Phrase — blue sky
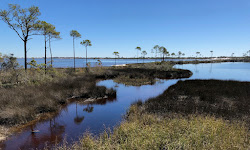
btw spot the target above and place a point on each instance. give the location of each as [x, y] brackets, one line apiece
[121, 25]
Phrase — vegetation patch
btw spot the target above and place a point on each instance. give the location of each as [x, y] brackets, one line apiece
[141, 74]
[136, 81]
[23, 103]
[27, 94]
[148, 131]
[227, 99]
[160, 66]
[193, 114]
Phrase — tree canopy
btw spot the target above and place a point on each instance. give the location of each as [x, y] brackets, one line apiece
[116, 53]
[144, 53]
[22, 21]
[75, 34]
[86, 43]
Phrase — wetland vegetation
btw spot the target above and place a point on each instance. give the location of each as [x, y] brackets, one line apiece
[162, 108]
[192, 114]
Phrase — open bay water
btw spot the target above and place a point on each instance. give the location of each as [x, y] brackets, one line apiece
[69, 63]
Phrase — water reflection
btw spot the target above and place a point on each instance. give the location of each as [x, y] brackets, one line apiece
[55, 134]
[94, 116]
[78, 119]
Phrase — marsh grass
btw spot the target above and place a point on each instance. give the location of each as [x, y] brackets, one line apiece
[160, 66]
[140, 74]
[148, 131]
[23, 103]
[25, 95]
[136, 81]
[227, 99]
[193, 114]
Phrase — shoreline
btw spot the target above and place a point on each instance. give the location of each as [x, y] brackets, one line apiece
[10, 129]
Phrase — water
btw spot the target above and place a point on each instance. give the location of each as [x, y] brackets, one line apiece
[69, 63]
[238, 71]
[76, 118]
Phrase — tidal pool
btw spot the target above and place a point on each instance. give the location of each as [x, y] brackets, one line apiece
[77, 118]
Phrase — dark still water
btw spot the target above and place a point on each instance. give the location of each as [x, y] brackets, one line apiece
[76, 118]
[69, 63]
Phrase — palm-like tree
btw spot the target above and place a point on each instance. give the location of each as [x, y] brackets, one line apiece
[156, 48]
[49, 32]
[164, 52]
[86, 43]
[116, 54]
[53, 35]
[211, 53]
[138, 49]
[183, 54]
[179, 54]
[144, 53]
[75, 34]
[197, 53]
[152, 51]
[232, 55]
[173, 54]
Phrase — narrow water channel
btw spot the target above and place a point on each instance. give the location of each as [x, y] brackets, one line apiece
[76, 118]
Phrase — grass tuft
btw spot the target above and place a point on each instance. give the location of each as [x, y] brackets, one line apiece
[148, 131]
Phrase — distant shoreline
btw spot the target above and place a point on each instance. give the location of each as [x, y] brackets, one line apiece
[130, 58]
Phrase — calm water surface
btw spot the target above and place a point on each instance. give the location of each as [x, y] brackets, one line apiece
[76, 118]
[69, 63]
[222, 71]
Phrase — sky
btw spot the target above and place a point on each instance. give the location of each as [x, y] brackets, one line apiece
[222, 26]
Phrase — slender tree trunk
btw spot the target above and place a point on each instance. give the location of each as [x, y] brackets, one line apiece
[115, 60]
[25, 54]
[155, 55]
[45, 57]
[163, 57]
[51, 58]
[86, 57]
[74, 54]
[137, 56]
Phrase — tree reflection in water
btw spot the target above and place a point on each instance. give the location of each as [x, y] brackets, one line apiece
[78, 119]
[52, 131]
[37, 139]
